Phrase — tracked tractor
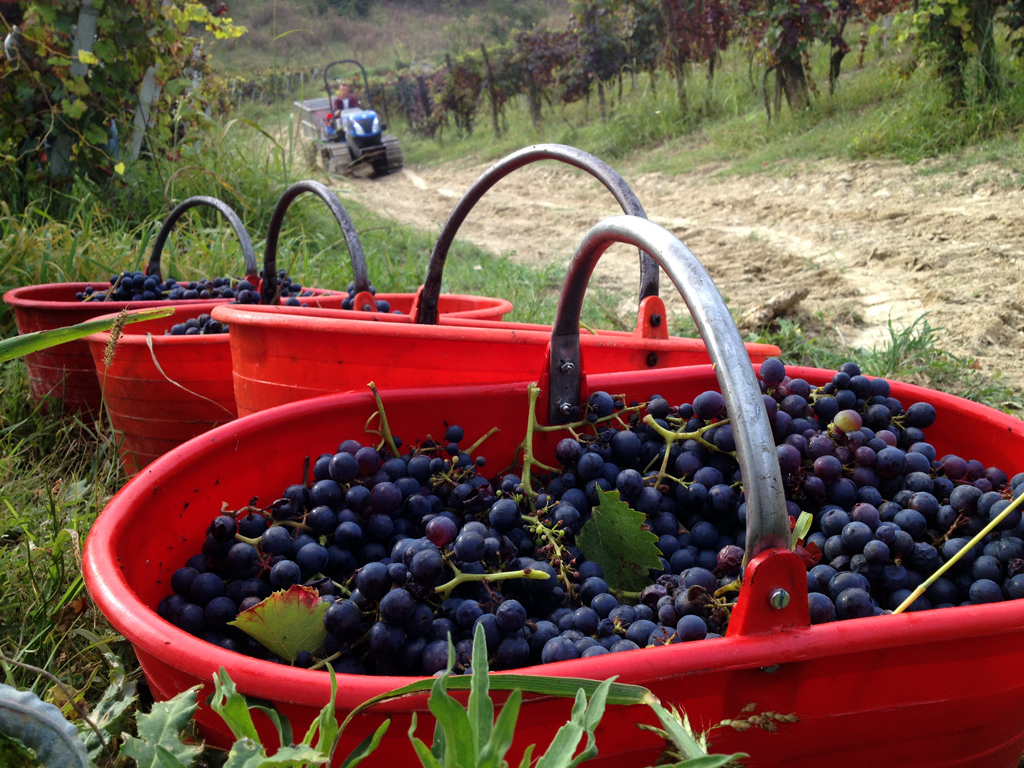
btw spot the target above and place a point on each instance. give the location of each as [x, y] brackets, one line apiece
[341, 140]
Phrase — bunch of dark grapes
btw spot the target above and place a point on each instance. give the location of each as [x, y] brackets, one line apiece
[382, 305]
[382, 537]
[203, 325]
[136, 286]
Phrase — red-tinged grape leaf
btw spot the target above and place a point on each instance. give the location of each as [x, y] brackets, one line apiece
[615, 539]
[810, 554]
[287, 622]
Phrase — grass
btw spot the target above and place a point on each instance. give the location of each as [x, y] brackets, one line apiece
[910, 354]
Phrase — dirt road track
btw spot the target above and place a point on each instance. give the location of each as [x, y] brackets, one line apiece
[871, 241]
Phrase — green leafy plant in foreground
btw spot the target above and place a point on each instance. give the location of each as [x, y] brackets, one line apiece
[468, 737]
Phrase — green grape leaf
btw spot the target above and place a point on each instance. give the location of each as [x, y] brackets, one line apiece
[287, 622]
[74, 110]
[614, 538]
[162, 728]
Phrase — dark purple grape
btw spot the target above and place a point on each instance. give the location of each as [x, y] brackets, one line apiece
[558, 649]
[372, 580]
[284, 574]
[223, 528]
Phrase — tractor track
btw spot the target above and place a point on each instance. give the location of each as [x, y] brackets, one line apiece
[872, 242]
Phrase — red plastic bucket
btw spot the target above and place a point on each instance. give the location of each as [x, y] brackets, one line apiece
[481, 307]
[162, 397]
[66, 373]
[933, 688]
[339, 351]
[280, 356]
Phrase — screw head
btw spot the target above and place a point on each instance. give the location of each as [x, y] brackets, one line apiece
[779, 598]
[564, 408]
[567, 366]
[655, 320]
[652, 359]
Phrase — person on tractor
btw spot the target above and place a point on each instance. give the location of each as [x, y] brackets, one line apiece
[346, 98]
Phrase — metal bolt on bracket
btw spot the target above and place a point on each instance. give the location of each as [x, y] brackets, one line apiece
[567, 366]
[565, 408]
[779, 598]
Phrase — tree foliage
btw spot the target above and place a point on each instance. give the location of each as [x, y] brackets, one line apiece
[48, 91]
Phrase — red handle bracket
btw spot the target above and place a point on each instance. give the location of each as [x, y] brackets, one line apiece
[364, 302]
[762, 606]
[651, 322]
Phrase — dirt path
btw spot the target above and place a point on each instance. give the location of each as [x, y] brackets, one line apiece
[871, 241]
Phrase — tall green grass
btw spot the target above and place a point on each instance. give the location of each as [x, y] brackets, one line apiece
[92, 232]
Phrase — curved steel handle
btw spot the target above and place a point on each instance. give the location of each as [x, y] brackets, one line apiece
[585, 161]
[767, 518]
[355, 248]
[153, 268]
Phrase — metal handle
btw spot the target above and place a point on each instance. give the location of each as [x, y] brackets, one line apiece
[767, 518]
[355, 248]
[153, 268]
[597, 168]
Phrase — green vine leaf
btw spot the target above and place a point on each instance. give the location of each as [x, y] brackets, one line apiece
[615, 538]
[287, 622]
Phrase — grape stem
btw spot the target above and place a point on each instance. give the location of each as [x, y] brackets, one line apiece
[295, 524]
[554, 539]
[478, 443]
[385, 430]
[673, 437]
[461, 578]
[953, 560]
[531, 424]
[324, 662]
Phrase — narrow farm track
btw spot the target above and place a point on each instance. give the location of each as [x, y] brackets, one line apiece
[871, 241]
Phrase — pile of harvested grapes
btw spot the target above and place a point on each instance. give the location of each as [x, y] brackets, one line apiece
[409, 549]
[136, 286]
[203, 325]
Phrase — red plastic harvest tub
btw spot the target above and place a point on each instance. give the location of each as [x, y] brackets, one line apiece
[933, 688]
[336, 352]
[469, 307]
[280, 355]
[160, 398]
[66, 372]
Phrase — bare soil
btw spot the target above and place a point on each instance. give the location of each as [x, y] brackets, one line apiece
[872, 242]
